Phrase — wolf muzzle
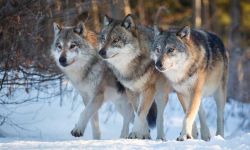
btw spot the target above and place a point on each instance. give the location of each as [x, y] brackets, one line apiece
[63, 61]
[159, 65]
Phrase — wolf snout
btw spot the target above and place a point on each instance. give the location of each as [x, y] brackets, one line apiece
[102, 53]
[63, 61]
[159, 65]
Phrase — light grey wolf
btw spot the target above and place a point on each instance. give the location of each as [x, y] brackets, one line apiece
[125, 45]
[75, 51]
[196, 63]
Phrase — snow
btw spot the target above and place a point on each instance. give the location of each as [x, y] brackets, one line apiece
[46, 125]
[216, 143]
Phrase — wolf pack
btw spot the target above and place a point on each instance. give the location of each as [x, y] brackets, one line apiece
[136, 67]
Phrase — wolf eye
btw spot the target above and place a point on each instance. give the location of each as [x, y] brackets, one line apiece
[72, 46]
[59, 46]
[170, 50]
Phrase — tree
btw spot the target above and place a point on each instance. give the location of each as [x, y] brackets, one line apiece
[234, 48]
[196, 13]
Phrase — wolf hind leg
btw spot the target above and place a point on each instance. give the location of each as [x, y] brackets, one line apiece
[220, 99]
[205, 133]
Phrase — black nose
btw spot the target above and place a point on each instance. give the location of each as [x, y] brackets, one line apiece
[158, 64]
[102, 53]
[63, 61]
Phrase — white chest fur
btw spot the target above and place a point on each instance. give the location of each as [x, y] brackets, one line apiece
[186, 86]
[86, 85]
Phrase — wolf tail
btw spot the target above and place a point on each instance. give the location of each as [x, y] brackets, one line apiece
[152, 115]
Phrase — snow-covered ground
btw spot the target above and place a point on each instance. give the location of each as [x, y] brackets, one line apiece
[46, 125]
[216, 143]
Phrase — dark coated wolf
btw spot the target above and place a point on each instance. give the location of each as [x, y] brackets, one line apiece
[75, 52]
[196, 64]
[125, 46]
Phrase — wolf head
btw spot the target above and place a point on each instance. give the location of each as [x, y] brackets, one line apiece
[70, 46]
[117, 38]
[169, 50]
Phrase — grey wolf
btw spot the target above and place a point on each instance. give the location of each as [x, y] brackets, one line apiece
[75, 51]
[125, 46]
[196, 64]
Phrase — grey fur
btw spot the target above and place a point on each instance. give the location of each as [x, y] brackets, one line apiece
[77, 58]
[125, 48]
[187, 56]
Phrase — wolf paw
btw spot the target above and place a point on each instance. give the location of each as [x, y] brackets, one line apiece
[135, 135]
[206, 137]
[124, 137]
[76, 132]
[184, 137]
[161, 138]
[205, 134]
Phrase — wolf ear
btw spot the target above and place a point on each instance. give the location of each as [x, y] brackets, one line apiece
[57, 28]
[107, 20]
[79, 28]
[184, 32]
[156, 30]
[128, 22]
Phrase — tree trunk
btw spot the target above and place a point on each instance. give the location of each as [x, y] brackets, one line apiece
[205, 14]
[127, 9]
[235, 35]
[212, 14]
[141, 12]
[95, 13]
[235, 70]
[196, 13]
[117, 8]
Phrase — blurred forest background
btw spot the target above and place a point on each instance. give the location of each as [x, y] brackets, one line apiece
[26, 33]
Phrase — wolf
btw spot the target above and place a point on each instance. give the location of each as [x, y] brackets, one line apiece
[124, 46]
[196, 64]
[75, 52]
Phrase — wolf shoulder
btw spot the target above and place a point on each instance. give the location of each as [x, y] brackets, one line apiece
[209, 41]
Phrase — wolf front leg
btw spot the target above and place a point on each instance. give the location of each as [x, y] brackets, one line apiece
[161, 98]
[90, 109]
[141, 128]
[205, 133]
[161, 103]
[95, 126]
[185, 103]
[193, 108]
[128, 116]
[126, 110]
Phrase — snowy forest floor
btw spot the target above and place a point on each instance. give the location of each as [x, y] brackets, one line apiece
[46, 125]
